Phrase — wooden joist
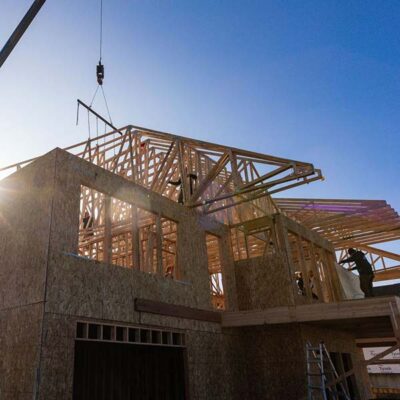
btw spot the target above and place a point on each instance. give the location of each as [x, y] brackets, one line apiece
[345, 221]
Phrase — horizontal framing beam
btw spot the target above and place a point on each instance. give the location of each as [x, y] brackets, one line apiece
[322, 312]
[172, 310]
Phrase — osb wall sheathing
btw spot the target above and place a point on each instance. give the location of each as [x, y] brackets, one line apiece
[78, 288]
[39, 238]
[207, 354]
[270, 361]
[263, 282]
[71, 172]
[248, 363]
[20, 336]
[25, 213]
[341, 342]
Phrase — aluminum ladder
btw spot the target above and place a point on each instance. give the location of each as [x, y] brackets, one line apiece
[323, 381]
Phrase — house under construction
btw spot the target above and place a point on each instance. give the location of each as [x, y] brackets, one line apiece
[145, 265]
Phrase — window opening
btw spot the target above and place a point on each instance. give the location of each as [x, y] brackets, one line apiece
[215, 271]
[119, 233]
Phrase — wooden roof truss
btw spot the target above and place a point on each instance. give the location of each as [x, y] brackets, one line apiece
[226, 177]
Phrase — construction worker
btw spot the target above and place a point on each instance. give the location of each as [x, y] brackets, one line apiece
[311, 280]
[87, 222]
[169, 272]
[300, 283]
[192, 178]
[364, 269]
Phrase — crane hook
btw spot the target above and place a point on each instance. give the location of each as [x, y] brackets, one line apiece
[100, 73]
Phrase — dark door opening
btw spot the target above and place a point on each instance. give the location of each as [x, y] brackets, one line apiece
[113, 371]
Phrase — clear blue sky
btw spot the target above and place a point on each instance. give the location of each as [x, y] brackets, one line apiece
[317, 81]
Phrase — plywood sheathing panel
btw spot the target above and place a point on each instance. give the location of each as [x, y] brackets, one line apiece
[25, 212]
[263, 282]
[272, 363]
[20, 336]
[210, 375]
[340, 341]
[82, 289]
[204, 342]
[57, 362]
[191, 247]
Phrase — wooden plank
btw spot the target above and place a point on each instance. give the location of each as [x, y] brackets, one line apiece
[172, 310]
[314, 268]
[135, 238]
[385, 362]
[377, 358]
[387, 274]
[340, 378]
[107, 230]
[303, 267]
[212, 174]
[376, 342]
[159, 244]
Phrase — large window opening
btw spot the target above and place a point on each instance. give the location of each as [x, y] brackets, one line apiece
[310, 269]
[119, 233]
[253, 241]
[91, 224]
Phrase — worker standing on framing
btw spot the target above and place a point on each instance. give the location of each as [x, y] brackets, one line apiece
[179, 183]
[364, 269]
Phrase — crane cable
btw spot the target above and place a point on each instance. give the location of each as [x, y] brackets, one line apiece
[101, 28]
[100, 68]
[100, 78]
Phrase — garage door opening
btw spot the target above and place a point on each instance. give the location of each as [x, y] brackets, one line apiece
[119, 371]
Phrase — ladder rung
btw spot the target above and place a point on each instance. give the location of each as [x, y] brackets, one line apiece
[315, 387]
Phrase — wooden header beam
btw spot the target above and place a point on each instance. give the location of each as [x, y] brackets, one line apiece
[171, 310]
